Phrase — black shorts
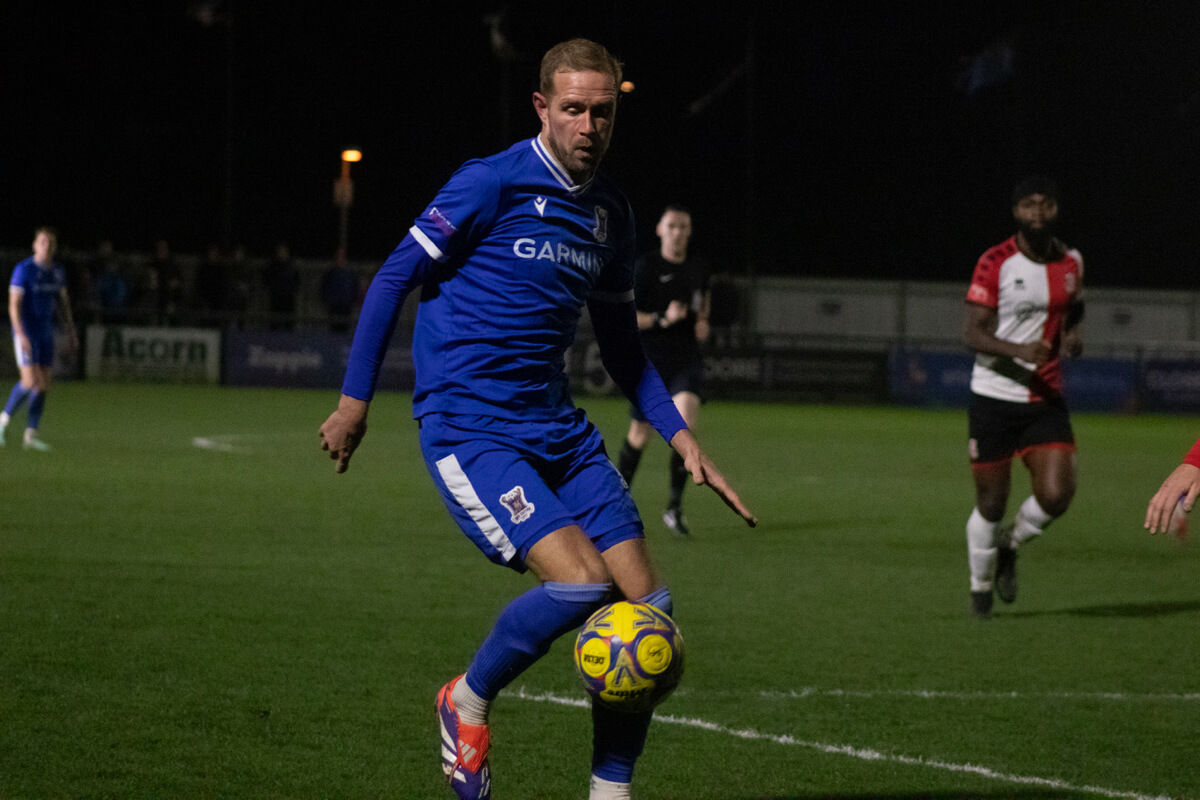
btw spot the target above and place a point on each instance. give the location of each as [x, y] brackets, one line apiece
[1000, 429]
[678, 378]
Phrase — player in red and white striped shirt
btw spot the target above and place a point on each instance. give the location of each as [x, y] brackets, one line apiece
[1022, 313]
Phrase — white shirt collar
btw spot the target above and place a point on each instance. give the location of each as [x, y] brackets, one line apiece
[557, 170]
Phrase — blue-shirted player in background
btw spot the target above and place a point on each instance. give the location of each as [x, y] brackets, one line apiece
[37, 290]
[506, 257]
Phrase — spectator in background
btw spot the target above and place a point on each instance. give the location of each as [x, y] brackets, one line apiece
[167, 280]
[241, 279]
[81, 285]
[339, 292]
[112, 287]
[282, 281]
[212, 287]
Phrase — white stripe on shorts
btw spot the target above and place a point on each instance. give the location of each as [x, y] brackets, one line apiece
[464, 493]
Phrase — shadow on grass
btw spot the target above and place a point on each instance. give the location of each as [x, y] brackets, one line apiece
[1160, 609]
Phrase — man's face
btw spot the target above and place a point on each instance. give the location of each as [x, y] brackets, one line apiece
[675, 229]
[577, 120]
[44, 245]
[1036, 213]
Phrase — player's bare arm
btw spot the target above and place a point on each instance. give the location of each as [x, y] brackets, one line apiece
[705, 473]
[68, 320]
[1183, 482]
[702, 326]
[344, 430]
[979, 328]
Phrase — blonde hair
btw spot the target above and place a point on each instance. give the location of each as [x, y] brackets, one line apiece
[577, 55]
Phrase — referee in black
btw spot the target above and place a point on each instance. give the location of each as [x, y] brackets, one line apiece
[672, 296]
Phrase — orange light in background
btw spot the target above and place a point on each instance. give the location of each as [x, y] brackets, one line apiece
[351, 155]
[627, 86]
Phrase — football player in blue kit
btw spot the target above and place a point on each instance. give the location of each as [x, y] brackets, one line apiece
[506, 256]
[37, 291]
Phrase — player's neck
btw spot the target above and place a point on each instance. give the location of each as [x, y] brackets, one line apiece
[1040, 249]
[673, 256]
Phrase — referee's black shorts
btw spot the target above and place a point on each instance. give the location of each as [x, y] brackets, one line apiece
[679, 377]
[1000, 429]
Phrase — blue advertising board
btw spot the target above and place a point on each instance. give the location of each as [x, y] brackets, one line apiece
[943, 378]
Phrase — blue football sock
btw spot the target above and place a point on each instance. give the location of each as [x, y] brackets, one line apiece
[16, 398]
[37, 401]
[618, 738]
[526, 629]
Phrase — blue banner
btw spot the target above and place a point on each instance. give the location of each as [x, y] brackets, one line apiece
[1171, 385]
[943, 378]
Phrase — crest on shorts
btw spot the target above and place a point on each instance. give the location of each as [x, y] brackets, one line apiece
[520, 508]
[601, 229]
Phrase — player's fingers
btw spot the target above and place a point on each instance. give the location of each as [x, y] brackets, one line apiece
[1189, 499]
[1153, 513]
[731, 499]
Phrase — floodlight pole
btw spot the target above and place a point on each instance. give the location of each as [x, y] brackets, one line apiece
[343, 194]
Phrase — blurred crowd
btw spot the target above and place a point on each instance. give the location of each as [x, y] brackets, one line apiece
[218, 288]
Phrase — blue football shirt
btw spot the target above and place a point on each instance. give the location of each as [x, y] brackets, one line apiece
[40, 290]
[507, 255]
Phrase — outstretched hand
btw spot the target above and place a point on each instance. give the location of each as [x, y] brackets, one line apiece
[1181, 485]
[344, 430]
[705, 473]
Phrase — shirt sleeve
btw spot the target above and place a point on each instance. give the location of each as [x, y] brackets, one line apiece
[463, 211]
[615, 325]
[985, 282]
[1193, 456]
[464, 208]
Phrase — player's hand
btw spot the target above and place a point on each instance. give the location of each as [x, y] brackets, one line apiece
[1182, 484]
[344, 430]
[1072, 342]
[705, 473]
[702, 330]
[675, 312]
[1037, 353]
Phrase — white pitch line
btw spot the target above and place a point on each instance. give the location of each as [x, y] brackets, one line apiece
[934, 694]
[864, 754]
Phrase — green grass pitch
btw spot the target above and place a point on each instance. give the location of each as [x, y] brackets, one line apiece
[192, 604]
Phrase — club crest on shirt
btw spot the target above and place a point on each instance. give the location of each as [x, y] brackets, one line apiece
[520, 508]
[540, 204]
[601, 229]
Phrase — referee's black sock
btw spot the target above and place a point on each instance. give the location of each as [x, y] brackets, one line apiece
[679, 476]
[627, 462]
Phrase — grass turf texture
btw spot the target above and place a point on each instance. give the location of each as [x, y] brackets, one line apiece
[237, 621]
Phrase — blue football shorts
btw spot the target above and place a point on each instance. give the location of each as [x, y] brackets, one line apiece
[508, 484]
[41, 345]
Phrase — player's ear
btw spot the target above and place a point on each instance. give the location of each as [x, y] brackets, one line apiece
[541, 104]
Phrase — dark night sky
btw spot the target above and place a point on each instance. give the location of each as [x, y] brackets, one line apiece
[865, 158]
